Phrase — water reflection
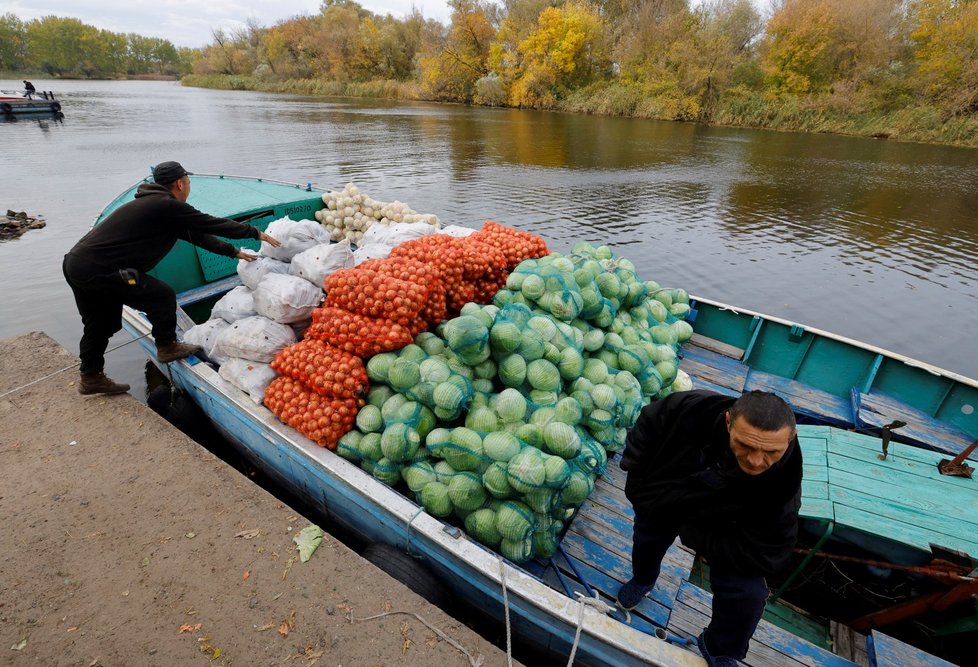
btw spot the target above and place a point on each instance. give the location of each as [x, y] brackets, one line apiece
[44, 120]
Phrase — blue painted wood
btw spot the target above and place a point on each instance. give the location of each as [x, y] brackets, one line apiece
[902, 458]
[803, 399]
[885, 651]
[877, 409]
[715, 369]
[207, 291]
[816, 508]
[782, 647]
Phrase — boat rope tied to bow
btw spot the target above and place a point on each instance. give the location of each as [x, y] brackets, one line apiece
[585, 601]
[474, 661]
[66, 368]
[509, 636]
[409, 523]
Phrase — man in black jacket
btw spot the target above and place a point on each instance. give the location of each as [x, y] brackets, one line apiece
[107, 268]
[725, 476]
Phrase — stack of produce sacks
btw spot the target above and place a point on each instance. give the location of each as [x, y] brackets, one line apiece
[548, 379]
[381, 304]
[252, 323]
[349, 214]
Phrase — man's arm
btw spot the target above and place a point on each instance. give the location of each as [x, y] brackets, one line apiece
[646, 435]
[755, 546]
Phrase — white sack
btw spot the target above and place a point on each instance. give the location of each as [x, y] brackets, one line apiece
[236, 304]
[286, 299]
[256, 338]
[252, 272]
[251, 377]
[295, 236]
[372, 251]
[395, 233]
[456, 231]
[206, 336]
[322, 260]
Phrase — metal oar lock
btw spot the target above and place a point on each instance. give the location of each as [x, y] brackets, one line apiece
[956, 466]
[887, 433]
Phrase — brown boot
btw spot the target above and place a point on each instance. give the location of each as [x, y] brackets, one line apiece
[99, 383]
[174, 351]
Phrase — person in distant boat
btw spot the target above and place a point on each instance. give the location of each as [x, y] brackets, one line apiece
[107, 268]
[724, 475]
[29, 89]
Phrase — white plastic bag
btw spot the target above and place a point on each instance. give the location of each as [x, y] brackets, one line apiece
[322, 260]
[295, 236]
[206, 336]
[286, 299]
[252, 272]
[372, 251]
[251, 377]
[236, 304]
[256, 338]
[395, 233]
[456, 231]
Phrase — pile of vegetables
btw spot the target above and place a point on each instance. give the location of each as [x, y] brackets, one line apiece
[504, 416]
[349, 213]
[381, 304]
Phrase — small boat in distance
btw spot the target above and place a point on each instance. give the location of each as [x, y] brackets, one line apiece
[18, 101]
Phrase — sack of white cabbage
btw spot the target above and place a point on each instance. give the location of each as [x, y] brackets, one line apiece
[504, 416]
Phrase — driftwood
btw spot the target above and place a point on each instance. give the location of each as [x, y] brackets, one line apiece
[17, 223]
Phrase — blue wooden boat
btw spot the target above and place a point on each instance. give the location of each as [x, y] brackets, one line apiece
[897, 516]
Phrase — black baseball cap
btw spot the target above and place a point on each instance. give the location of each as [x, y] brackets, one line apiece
[167, 172]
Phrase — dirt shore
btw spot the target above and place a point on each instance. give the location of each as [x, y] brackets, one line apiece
[126, 543]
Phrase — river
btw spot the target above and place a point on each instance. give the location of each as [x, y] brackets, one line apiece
[868, 239]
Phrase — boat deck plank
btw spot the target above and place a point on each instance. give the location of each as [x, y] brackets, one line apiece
[770, 647]
[714, 370]
[885, 651]
[876, 409]
[803, 399]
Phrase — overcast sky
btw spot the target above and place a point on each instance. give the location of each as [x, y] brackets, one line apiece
[189, 22]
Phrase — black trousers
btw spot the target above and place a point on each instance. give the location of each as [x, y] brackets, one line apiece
[738, 600]
[100, 297]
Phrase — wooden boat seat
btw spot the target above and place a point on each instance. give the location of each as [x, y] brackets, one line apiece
[876, 409]
[770, 647]
[885, 651]
[711, 369]
[804, 399]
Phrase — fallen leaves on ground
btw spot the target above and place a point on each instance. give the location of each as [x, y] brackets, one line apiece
[249, 534]
[246, 575]
[187, 627]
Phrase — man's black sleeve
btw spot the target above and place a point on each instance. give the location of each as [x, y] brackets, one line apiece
[200, 229]
[646, 436]
[756, 546]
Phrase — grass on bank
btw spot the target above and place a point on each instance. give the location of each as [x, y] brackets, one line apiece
[737, 108]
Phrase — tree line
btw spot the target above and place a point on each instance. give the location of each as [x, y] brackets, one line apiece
[662, 58]
[66, 47]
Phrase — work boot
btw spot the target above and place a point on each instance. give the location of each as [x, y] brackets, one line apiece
[631, 594]
[713, 660]
[99, 383]
[174, 351]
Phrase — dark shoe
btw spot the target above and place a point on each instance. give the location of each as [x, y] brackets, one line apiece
[631, 594]
[174, 351]
[713, 660]
[98, 383]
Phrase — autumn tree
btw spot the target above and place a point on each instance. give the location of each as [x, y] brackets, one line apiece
[13, 43]
[945, 37]
[451, 66]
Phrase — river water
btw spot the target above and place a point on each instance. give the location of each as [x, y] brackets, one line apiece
[869, 239]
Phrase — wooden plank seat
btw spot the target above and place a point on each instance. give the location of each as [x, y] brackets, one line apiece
[804, 399]
[874, 410]
[770, 646]
[712, 370]
[885, 651]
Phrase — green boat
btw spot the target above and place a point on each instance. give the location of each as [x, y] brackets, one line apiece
[878, 430]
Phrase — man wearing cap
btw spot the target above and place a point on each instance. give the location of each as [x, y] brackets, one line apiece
[108, 267]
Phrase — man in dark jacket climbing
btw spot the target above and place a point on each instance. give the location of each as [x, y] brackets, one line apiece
[725, 476]
[107, 268]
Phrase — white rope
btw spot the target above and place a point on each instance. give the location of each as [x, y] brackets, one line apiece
[585, 601]
[509, 635]
[66, 368]
[416, 515]
[475, 661]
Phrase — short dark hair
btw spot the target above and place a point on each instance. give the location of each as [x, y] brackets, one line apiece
[763, 410]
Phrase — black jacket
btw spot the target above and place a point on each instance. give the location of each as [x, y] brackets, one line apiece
[140, 233]
[682, 472]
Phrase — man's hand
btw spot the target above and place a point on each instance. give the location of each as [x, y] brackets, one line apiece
[270, 240]
[246, 255]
